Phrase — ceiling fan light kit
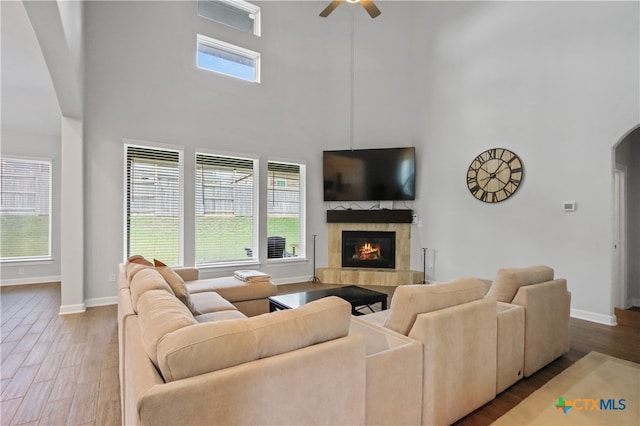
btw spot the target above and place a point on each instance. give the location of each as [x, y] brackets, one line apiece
[368, 5]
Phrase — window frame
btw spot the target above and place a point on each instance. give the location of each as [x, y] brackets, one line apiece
[244, 6]
[255, 257]
[180, 199]
[302, 197]
[33, 259]
[231, 49]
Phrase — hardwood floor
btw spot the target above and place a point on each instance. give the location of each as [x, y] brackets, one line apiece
[59, 370]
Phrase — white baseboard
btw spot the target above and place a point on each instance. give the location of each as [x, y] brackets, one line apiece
[594, 317]
[32, 280]
[101, 301]
[72, 309]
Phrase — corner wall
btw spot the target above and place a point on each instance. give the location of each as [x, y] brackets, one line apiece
[557, 83]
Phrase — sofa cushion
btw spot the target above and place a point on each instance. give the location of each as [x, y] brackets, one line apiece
[212, 346]
[145, 280]
[220, 315]
[205, 303]
[159, 313]
[177, 285]
[233, 289]
[411, 300]
[136, 264]
[509, 280]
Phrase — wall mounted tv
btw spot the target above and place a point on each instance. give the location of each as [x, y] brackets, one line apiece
[384, 174]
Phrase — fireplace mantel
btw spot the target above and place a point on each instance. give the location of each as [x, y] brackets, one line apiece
[370, 216]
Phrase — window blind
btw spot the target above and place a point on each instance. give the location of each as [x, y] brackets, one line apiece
[225, 209]
[154, 204]
[284, 207]
[25, 209]
[240, 15]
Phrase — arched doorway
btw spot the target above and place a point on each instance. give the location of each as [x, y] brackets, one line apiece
[626, 247]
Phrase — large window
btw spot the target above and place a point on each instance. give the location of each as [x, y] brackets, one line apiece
[154, 204]
[25, 209]
[285, 210]
[226, 225]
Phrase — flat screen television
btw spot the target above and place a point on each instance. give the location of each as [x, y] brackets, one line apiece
[383, 174]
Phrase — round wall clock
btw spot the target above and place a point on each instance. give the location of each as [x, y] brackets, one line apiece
[495, 175]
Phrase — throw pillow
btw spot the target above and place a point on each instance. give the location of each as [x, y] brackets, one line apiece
[136, 258]
[177, 284]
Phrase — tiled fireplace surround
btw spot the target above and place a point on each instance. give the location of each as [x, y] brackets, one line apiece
[336, 274]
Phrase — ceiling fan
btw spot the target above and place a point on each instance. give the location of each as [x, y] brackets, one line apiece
[369, 6]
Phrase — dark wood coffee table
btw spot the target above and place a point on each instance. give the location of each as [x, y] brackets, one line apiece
[358, 297]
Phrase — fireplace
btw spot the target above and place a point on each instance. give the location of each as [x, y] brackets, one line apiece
[369, 249]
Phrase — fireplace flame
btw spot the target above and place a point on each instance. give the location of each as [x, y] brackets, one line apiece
[367, 251]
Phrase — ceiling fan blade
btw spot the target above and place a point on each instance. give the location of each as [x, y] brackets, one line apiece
[327, 10]
[371, 8]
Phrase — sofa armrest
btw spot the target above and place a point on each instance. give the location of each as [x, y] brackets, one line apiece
[187, 274]
[459, 361]
[394, 375]
[138, 373]
[546, 330]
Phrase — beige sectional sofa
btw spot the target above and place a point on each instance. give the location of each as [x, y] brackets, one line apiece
[197, 359]
[190, 356]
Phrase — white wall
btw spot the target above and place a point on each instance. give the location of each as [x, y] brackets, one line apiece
[142, 83]
[558, 84]
[30, 126]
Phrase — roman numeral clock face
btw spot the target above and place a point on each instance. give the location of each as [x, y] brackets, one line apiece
[494, 175]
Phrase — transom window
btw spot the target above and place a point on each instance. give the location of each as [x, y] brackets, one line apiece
[224, 58]
[238, 14]
[25, 209]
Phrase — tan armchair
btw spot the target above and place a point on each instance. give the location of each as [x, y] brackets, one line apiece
[546, 304]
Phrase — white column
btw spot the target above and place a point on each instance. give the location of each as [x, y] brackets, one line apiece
[72, 217]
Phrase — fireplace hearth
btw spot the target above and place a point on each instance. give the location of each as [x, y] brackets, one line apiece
[369, 249]
[368, 274]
